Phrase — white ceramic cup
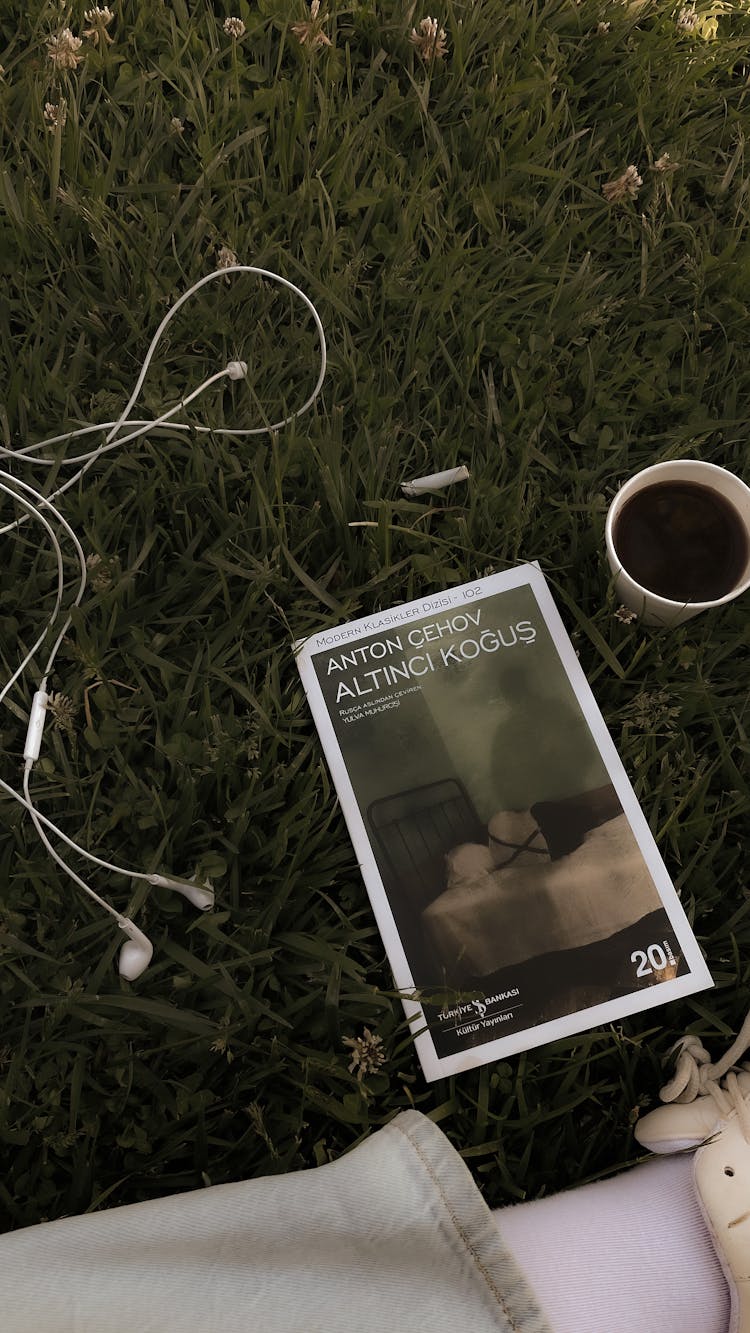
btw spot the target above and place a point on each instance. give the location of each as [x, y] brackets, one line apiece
[651, 608]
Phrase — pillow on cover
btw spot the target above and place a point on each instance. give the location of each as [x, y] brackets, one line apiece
[467, 864]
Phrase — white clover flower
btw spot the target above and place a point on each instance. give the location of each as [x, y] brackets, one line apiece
[63, 711]
[311, 30]
[367, 1053]
[100, 571]
[430, 40]
[63, 50]
[234, 28]
[625, 186]
[176, 126]
[226, 258]
[705, 25]
[664, 164]
[55, 113]
[99, 16]
[687, 19]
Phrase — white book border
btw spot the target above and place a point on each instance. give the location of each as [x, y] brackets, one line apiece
[468, 594]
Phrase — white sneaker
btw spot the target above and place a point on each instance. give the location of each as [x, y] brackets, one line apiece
[709, 1109]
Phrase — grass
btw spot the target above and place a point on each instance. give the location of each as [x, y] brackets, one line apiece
[483, 303]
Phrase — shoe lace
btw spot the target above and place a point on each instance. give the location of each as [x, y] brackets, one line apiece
[696, 1076]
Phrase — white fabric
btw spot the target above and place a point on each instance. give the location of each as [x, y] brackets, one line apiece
[501, 918]
[393, 1236]
[627, 1255]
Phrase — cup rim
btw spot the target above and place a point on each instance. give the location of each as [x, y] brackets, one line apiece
[666, 603]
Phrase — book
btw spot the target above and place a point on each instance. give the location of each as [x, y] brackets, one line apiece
[518, 889]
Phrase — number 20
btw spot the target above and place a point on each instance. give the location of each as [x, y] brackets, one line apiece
[654, 955]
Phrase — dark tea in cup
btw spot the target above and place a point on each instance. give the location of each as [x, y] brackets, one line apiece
[682, 540]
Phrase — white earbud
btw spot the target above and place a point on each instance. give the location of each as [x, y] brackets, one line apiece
[200, 895]
[136, 953]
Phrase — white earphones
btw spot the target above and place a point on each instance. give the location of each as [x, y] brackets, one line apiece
[137, 951]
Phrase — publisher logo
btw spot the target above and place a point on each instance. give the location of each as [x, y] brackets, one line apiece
[478, 1015]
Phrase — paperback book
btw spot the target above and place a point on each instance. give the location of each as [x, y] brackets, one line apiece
[518, 889]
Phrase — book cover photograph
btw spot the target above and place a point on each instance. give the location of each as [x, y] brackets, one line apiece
[518, 889]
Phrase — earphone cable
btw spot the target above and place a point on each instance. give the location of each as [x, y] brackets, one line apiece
[89, 459]
[211, 277]
[28, 803]
[46, 502]
[56, 855]
[32, 512]
[201, 896]
[232, 431]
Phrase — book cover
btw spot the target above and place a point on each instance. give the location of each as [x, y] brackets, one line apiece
[518, 889]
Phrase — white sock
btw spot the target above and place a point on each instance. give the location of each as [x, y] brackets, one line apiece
[626, 1255]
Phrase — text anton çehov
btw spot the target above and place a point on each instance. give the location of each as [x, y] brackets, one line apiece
[429, 659]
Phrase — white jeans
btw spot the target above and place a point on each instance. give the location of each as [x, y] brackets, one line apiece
[392, 1238]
